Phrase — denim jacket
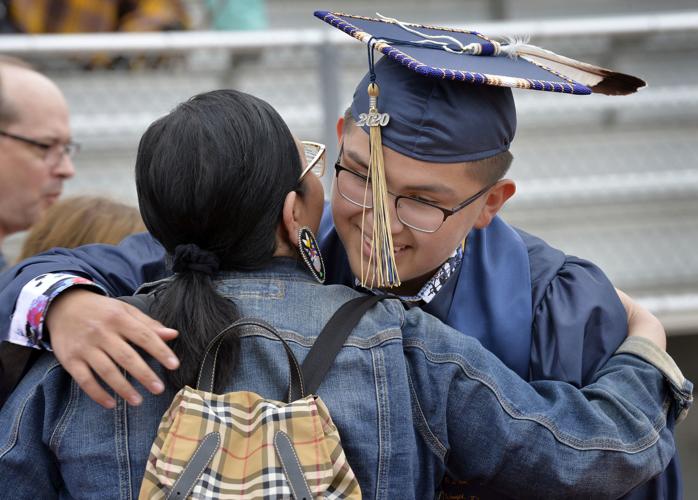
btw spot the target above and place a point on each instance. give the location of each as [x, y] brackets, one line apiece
[410, 396]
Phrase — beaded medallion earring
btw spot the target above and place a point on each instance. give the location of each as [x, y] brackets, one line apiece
[310, 250]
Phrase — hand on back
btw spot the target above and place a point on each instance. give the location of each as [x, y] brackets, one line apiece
[95, 335]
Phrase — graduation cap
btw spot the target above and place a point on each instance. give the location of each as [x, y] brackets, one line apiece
[443, 95]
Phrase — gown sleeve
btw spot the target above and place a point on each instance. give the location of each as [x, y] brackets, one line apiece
[578, 319]
[119, 270]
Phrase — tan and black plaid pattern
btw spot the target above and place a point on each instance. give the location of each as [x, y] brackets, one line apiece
[246, 465]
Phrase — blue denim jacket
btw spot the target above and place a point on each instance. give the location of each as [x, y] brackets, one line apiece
[410, 396]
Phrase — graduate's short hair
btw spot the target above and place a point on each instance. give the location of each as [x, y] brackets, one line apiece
[485, 172]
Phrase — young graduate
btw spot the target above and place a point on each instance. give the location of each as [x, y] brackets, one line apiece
[445, 151]
[446, 120]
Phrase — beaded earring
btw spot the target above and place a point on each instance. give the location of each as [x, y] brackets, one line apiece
[310, 250]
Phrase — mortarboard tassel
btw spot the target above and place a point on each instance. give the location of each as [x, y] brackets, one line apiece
[381, 263]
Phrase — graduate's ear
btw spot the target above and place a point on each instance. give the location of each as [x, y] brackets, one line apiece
[340, 129]
[494, 201]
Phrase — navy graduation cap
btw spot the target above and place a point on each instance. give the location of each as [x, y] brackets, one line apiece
[443, 95]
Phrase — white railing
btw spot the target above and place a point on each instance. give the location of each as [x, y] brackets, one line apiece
[124, 43]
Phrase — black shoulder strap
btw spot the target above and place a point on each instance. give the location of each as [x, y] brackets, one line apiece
[142, 301]
[331, 339]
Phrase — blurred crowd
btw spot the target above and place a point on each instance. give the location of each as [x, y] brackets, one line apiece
[98, 16]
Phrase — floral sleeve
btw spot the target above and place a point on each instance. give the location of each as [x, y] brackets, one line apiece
[27, 327]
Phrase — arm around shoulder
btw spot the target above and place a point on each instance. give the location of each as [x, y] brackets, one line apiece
[602, 440]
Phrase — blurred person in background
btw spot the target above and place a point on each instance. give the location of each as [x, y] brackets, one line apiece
[95, 16]
[82, 220]
[92, 16]
[35, 146]
[228, 15]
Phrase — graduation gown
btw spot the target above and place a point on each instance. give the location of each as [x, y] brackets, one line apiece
[543, 313]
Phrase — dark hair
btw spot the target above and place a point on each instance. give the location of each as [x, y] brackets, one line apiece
[214, 173]
[489, 170]
[485, 172]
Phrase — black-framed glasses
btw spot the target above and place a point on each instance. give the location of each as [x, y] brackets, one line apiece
[53, 152]
[315, 158]
[417, 214]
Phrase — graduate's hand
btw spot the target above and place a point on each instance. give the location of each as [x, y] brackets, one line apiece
[93, 335]
[641, 322]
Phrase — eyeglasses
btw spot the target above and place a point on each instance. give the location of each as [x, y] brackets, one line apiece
[315, 158]
[417, 214]
[53, 153]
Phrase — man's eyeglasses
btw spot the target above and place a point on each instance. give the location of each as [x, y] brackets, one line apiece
[53, 153]
[315, 158]
[417, 214]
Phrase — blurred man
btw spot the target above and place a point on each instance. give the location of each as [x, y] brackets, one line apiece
[35, 146]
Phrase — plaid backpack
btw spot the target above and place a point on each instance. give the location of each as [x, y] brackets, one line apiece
[240, 445]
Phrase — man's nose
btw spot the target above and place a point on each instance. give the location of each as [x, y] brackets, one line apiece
[65, 167]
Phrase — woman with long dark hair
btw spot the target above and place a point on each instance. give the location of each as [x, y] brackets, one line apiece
[229, 193]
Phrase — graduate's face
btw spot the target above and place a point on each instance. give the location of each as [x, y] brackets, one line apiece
[417, 254]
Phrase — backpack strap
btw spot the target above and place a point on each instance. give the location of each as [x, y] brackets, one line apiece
[331, 339]
[207, 372]
[305, 378]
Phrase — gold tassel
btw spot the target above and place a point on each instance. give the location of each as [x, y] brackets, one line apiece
[381, 263]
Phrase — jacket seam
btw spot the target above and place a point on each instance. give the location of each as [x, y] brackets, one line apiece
[422, 425]
[639, 445]
[384, 427]
[383, 336]
[57, 434]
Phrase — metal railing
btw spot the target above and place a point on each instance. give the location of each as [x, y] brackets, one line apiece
[326, 41]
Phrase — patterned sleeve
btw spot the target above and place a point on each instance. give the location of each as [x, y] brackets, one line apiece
[27, 327]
